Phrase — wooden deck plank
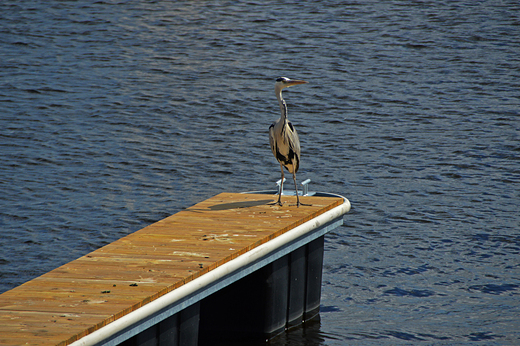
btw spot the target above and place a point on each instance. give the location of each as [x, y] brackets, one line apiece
[94, 290]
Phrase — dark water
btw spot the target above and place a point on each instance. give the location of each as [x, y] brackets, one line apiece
[114, 115]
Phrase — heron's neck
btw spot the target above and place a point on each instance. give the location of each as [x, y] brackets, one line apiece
[283, 107]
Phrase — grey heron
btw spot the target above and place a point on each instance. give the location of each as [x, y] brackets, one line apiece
[283, 138]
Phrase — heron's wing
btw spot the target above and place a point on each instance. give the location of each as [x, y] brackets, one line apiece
[271, 139]
[294, 145]
[294, 140]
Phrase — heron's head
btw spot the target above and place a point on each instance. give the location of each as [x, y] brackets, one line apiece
[284, 82]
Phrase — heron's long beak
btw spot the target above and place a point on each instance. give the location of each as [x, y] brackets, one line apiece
[295, 82]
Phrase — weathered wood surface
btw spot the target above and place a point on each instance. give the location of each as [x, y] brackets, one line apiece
[82, 296]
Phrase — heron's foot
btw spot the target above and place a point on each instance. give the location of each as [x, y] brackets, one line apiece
[304, 204]
[276, 203]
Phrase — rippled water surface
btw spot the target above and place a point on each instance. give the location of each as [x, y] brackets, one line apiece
[114, 115]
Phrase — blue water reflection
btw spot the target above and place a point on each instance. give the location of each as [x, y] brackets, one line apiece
[117, 114]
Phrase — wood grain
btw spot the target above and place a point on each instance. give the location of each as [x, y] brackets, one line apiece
[86, 294]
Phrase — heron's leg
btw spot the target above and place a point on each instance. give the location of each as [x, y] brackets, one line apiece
[296, 191]
[279, 202]
[281, 186]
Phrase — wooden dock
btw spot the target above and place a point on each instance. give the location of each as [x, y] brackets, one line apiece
[79, 298]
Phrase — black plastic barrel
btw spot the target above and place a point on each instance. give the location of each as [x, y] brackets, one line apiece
[179, 329]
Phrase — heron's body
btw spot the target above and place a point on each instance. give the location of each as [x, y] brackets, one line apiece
[283, 137]
[285, 144]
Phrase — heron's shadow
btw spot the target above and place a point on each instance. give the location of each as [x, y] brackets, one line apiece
[236, 205]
